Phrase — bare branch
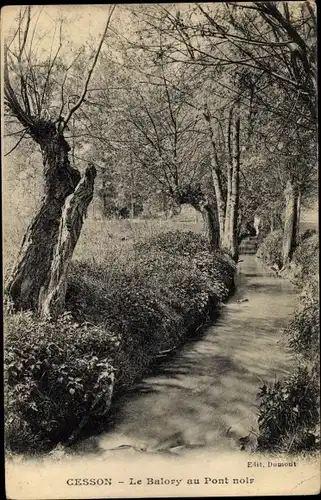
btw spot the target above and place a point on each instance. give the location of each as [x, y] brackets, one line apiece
[16, 145]
[10, 97]
[23, 86]
[14, 133]
[63, 84]
[26, 31]
[312, 13]
[83, 95]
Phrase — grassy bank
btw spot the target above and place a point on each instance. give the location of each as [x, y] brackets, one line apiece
[133, 294]
[289, 410]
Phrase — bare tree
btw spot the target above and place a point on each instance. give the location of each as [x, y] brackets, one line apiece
[28, 95]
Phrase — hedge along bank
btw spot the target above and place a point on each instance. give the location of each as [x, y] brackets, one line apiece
[61, 376]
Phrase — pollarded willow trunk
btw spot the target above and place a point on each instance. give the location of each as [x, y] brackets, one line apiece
[291, 193]
[219, 200]
[32, 267]
[174, 209]
[211, 223]
[52, 296]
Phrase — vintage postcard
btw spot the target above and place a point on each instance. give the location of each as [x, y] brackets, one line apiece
[161, 244]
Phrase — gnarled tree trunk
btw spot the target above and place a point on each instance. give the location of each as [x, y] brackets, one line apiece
[32, 267]
[212, 229]
[219, 200]
[291, 193]
[52, 296]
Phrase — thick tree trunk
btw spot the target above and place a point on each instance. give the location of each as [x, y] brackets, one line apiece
[219, 200]
[52, 296]
[290, 221]
[211, 223]
[33, 263]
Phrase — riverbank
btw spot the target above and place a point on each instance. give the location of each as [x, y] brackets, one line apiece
[203, 400]
[62, 377]
[205, 396]
[289, 411]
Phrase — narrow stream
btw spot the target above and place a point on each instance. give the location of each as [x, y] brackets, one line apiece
[205, 395]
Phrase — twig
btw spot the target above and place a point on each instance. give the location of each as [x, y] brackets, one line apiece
[17, 144]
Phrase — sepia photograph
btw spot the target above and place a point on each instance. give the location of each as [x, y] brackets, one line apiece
[160, 250]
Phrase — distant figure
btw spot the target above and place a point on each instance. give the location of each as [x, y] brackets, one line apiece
[256, 224]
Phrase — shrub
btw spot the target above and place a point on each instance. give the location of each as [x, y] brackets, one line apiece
[185, 243]
[310, 292]
[305, 261]
[217, 268]
[306, 235]
[303, 331]
[288, 413]
[153, 304]
[270, 250]
[54, 372]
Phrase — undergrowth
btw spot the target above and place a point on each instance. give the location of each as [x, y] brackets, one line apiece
[270, 250]
[288, 413]
[60, 376]
[289, 410]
